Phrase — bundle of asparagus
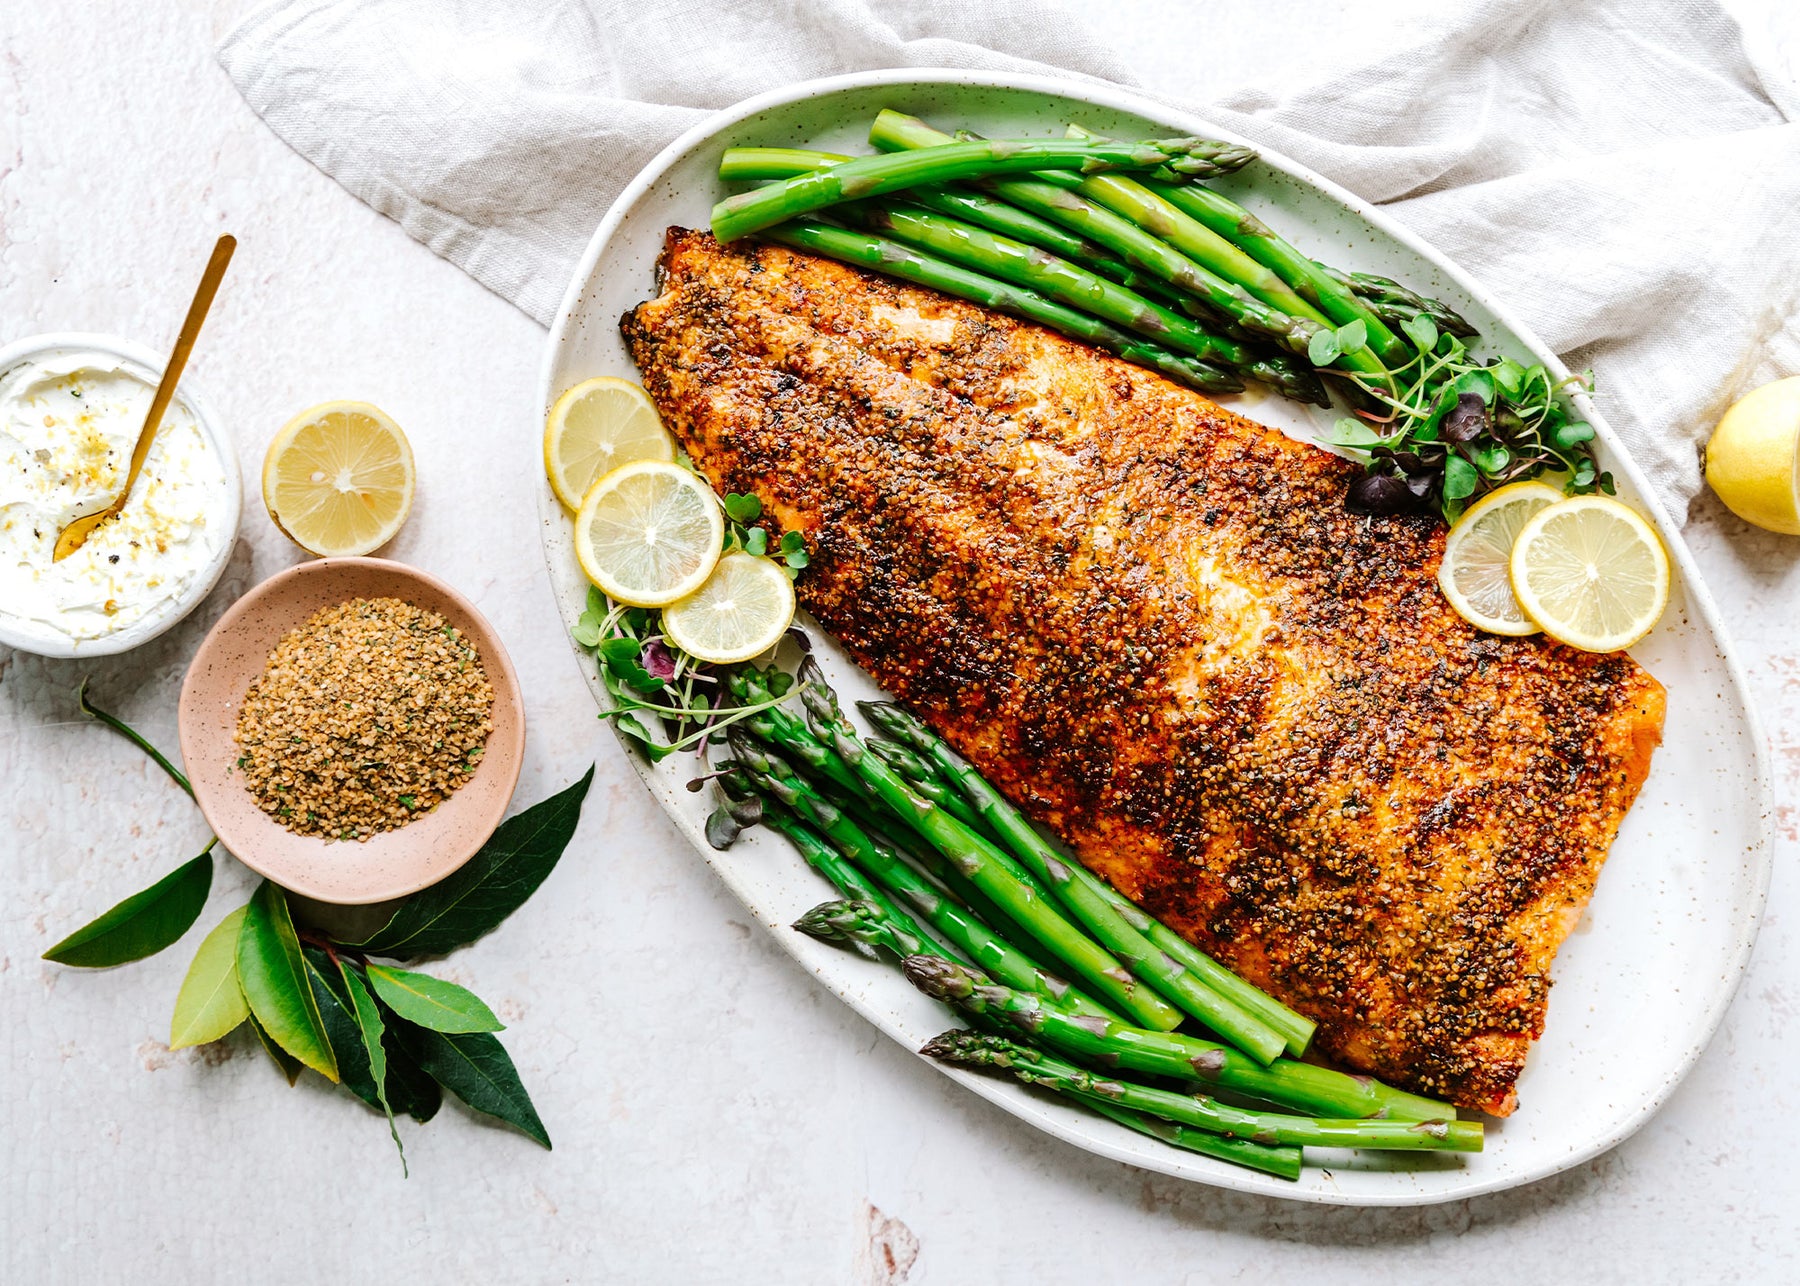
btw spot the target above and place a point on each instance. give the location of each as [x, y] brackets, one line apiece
[1122, 246]
[1064, 981]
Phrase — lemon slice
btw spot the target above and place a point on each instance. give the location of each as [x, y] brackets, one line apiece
[1753, 459]
[338, 478]
[1592, 573]
[649, 533]
[594, 428]
[743, 610]
[1476, 574]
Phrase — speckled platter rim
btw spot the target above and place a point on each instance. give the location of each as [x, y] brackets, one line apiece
[393, 863]
[1687, 874]
[216, 438]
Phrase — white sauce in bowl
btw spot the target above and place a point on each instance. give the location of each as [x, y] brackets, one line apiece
[68, 422]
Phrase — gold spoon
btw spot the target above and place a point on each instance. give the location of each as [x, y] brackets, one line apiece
[76, 533]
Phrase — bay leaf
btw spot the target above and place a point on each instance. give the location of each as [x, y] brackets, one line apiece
[341, 1027]
[273, 974]
[143, 923]
[489, 887]
[289, 1065]
[210, 1002]
[368, 1021]
[432, 1002]
[410, 1087]
[474, 1067]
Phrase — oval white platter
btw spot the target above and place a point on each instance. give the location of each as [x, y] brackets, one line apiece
[1642, 983]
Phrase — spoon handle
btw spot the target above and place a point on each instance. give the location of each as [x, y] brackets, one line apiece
[184, 344]
[75, 535]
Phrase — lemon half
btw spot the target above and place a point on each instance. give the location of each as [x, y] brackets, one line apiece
[1476, 574]
[1753, 459]
[594, 428]
[338, 478]
[741, 611]
[1592, 573]
[649, 533]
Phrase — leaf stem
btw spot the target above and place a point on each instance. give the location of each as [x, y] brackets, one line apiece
[131, 734]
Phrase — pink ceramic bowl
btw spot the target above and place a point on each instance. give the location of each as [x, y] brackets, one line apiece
[348, 872]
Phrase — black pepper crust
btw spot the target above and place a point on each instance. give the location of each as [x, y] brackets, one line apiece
[1153, 625]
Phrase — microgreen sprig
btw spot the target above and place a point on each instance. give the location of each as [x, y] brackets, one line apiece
[742, 512]
[1452, 427]
[664, 699]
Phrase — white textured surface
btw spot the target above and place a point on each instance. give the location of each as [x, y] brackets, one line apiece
[717, 1116]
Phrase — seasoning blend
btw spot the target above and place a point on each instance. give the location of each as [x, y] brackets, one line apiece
[70, 414]
[369, 714]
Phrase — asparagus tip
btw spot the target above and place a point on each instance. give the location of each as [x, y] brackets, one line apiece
[938, 978]
[833, 921]
[960, 1045]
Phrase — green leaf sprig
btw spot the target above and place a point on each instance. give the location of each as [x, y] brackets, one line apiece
[396, 1038]
[663, 699]
[1455, 427]
[742, 513]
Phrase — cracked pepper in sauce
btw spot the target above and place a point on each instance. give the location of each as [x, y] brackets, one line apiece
[68, 422]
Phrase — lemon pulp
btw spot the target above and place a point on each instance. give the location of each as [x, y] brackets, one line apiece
[594, 428]
[649, 533]
[741, 611]
[1592, 573]
[1476, 572]
[338, 478]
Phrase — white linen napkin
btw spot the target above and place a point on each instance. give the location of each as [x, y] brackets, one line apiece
[1625, 174]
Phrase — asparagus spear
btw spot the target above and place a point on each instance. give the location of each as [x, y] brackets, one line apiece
[1230, 220]
[864, 922]
[936, 791]
[1282, 1162]
[1296, 1028]
[1057, 278]
[745, 163]
[1395, 304]
[749, 686]
[1083, 894]
[1134, 245]
[1300, 1086]
[885, 828]
[844, 876]
[868, 176]
[903, 760]
[1038, 1067]
[935, 864]
[898, 260]
[923, 779]
[769, 773]
[985, 866]
[760, 163]
[740, 163]
[782, 732]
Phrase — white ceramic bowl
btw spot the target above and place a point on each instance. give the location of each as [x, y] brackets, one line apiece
[16, 634]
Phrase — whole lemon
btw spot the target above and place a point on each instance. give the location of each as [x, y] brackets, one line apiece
[1751, 458]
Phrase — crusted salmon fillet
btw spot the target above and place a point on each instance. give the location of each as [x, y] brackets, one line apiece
[1152, 623]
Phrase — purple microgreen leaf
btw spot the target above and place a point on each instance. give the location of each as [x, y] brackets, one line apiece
[657, 660]
[1467, 420]
[1379, 495]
